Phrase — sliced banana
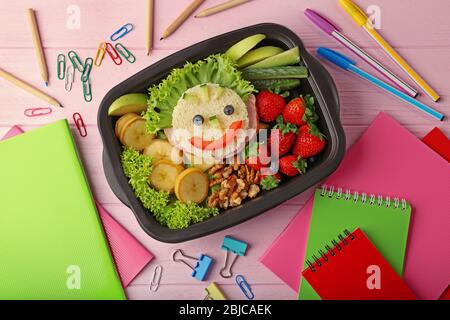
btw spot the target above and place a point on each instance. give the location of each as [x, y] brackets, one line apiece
[197, 162]
[164, 174]
[122, 121]
[192, 185]
[161, 149]
[134, 134]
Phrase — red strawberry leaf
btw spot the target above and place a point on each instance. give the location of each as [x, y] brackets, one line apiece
[269, 183]
[285, 128]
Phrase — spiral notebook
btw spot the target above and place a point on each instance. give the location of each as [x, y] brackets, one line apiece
[385, 220]
[353, 269]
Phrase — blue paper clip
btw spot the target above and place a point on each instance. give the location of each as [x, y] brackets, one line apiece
[238, 248]
[121, 32]
[202, 266]
[245, 287]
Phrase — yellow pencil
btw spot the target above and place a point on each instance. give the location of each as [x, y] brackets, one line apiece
[363, 21]
[220, 7]
[27, 87]
[181, 18]
[38, 45]
[150, 24]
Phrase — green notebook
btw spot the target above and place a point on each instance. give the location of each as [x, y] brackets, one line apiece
[384, 220]
[52, 244]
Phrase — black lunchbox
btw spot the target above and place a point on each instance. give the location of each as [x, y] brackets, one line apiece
[319, 84]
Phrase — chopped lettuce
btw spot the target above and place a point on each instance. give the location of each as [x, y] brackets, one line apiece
[218, 69]
[173, 214]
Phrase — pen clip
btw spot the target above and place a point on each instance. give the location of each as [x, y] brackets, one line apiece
[337, 58]
[355, 12]
[323, 23]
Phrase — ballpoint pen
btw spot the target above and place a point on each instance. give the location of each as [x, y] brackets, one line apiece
[363, 21]
[331, 29]
[347, 64]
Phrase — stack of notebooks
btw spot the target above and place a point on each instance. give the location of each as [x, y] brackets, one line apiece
[378, 228]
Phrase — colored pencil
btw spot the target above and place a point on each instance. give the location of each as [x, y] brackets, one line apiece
[27, 87]
[182, 18]
[150, 25]
[38, 45]
[220, 7]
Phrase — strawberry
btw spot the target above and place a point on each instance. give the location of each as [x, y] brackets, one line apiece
[292, 165]
[284, 136]
[270, 182]
[257, 156]
[269, 106]
[309, 141]
[300, 111]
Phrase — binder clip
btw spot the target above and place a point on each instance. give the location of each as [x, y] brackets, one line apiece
[202, 267]
[213, 293]
[238, 248]
[245, 287]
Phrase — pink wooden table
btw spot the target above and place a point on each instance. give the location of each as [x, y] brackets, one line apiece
[420, 30]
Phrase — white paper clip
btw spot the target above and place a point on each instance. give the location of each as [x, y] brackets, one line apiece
[156, 280]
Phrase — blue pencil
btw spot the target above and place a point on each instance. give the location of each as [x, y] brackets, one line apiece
[349, 65]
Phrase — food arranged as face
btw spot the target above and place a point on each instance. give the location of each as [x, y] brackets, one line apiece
[210, 118]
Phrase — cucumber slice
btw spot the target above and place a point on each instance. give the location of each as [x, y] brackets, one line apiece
[277, 86]
[287, 58]
[275, 73]
[203, 92]
[215, 123]
[245, 45]
[257, 55]
[191, 98]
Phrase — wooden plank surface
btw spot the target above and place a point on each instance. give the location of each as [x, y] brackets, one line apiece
[423, 39]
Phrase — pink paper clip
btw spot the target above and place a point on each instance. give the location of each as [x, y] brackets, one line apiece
[113, 54]
[36, 112]
[79, 123]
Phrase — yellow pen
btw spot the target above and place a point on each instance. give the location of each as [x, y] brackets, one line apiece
[363, 21]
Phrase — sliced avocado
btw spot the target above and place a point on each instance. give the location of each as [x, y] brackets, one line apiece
[190, 98]
[215, 123]
[258, 55]
[203, 92]
[287, 58]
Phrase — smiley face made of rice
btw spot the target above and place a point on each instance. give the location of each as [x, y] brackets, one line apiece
[211, 121]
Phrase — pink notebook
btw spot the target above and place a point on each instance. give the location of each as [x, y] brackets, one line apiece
[129, 255]
[387, 159]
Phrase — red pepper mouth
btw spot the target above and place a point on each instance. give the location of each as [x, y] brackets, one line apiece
[220, 143]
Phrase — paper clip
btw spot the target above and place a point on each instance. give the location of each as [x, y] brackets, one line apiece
[79, 123]
[124, 52]
[70, 74]
[86, 69]
[201, 268]
[121, 32]
[61, 66]
[100, 54]
[238, 248]
[113, 54]
[87, 93]
[75, 60]
[245, 287]
[157, 273]
[213, 293]
[36, 112]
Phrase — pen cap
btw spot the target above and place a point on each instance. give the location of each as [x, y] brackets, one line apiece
[337, 58]
[323, 23]
[354, 11]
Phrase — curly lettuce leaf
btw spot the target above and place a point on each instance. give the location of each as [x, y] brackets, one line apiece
[174, 215]
[218, 69]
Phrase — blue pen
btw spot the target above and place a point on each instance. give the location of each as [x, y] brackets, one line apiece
[350, 65]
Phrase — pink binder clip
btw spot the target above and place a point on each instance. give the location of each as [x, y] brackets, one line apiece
[36, 112]
[79, 123]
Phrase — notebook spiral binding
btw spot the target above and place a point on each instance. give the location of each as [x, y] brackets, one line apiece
[371, 199]
[330, 252]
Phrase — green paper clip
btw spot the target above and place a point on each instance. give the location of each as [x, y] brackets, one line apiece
[61, 66]
[124, 52]
[87, 69]
[87, 91]
[76, 61]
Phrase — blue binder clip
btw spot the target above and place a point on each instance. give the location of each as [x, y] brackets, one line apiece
[236, 247]
[202, 266]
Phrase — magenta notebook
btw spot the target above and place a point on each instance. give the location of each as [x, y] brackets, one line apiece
[129, 255]
[387, 159]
